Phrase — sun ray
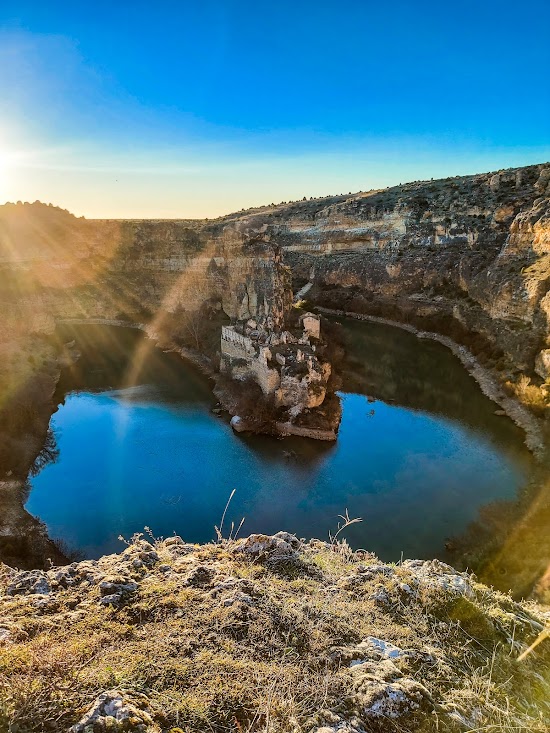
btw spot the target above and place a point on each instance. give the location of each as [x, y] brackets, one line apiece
[4, 174]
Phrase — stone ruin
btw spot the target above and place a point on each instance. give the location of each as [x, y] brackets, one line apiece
[283, 363]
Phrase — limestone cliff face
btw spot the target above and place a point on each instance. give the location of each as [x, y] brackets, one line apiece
[464, 255]
[171, 264]
[470, 253]
[56, 266]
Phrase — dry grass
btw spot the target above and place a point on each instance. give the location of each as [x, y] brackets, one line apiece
[270, 665]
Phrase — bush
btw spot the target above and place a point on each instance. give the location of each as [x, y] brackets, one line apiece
[529, 394]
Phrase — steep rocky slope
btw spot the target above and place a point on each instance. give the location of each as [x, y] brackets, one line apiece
[465, 255]
[265, 634]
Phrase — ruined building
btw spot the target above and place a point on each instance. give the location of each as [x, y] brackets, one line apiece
[286, 367]
[283, 364]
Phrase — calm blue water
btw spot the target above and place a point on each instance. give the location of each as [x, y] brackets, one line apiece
[154, 454]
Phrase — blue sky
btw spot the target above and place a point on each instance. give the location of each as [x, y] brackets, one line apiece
[186, 109]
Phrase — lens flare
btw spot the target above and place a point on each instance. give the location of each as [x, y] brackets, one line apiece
[4, 175]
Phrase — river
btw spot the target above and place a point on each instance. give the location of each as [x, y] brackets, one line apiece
[419, 452]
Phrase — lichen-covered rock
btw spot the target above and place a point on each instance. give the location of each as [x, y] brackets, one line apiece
[115, 711]
[232, 585]
[259, 546]
[236, 598]
[435, 573]
[118, 585]
[398, 699]
[200, 576]
[171, 541]
[33, 581]
[382, 696]
[111, 600]
[373, 648]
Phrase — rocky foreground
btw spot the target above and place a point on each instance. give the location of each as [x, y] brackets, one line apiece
[265, 634]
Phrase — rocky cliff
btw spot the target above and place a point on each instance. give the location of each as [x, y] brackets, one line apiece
[466, 256]
[54, 266]
[183, 279]
[265, 634]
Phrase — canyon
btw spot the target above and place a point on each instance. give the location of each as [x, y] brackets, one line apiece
[467, 258]
[463, 260]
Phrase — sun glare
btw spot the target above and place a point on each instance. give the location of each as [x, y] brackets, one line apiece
[4, 175]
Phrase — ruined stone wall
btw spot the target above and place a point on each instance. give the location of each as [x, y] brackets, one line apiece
[242, 361]
[284, 365]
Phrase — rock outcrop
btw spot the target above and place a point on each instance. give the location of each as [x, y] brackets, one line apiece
[265, 633]
[468, 257]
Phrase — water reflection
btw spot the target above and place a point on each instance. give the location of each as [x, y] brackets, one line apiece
[397, 367]
[141, 446]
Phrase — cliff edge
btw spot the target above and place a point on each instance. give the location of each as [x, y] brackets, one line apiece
[267, 633]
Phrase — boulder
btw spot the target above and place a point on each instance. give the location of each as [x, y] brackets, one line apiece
[29, 582]
[238, 424]
[260, 545]
[115, 710]
[542, 364]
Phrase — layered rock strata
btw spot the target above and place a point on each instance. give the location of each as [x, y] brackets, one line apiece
[468, 257]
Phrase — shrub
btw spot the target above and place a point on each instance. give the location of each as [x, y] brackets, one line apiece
[529, 394]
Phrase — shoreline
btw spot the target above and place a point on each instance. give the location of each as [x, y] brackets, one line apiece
[46, 547]
[488, 384]
[22, 535]
[486, 381]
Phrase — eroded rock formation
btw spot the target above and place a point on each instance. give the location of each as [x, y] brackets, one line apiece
[287, 368]
[467, 256]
